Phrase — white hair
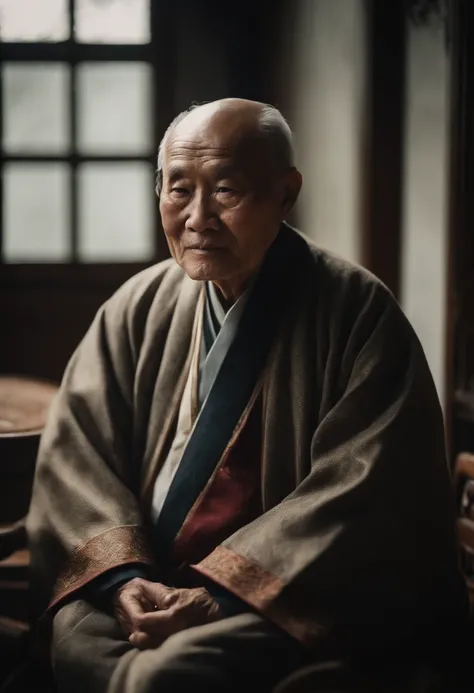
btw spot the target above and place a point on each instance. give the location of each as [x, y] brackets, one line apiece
[275, 129]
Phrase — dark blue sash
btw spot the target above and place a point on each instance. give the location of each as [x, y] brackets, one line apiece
[232, 387]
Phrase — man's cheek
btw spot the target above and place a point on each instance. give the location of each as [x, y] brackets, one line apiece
[168, 207]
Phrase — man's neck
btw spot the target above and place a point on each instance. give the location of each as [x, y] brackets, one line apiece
[225, 303]
[229, 292]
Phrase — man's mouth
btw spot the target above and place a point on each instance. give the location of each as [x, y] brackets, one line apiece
[204, 248]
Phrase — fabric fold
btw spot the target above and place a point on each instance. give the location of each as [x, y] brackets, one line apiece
[344, 542]
[229, 394]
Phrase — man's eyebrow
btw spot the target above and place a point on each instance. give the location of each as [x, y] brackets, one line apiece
[225, 171]
[174, 173]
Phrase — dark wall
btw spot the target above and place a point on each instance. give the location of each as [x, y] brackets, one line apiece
[222, 49]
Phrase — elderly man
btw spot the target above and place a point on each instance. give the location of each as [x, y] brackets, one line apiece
[243, 477]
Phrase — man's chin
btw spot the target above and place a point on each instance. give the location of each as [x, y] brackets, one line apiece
[203, 271]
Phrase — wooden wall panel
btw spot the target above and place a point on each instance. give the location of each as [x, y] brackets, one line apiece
[460, 333]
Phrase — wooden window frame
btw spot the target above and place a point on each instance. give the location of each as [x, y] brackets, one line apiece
[158, 54]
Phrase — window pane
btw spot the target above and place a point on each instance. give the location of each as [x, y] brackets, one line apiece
[35, 108]
[36, 212]
[112, 21]
[34, 20]
[424, 282]
[114, 108]
[116, 212]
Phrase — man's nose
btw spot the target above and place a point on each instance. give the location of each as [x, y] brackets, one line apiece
[202, 215]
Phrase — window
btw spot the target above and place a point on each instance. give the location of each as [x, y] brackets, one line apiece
[78, 142]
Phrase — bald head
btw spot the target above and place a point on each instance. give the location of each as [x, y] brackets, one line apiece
[246, 124]
[225, 183]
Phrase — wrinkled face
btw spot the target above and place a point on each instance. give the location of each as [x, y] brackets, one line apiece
[222, 201]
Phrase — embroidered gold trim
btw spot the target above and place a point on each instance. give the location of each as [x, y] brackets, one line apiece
[260, 589]
[110, 549]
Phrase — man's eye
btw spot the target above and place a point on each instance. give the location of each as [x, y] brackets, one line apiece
[225, 190]
[180, 191]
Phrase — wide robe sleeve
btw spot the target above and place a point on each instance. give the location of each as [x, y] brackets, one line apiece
[362, 548]
[84, 517]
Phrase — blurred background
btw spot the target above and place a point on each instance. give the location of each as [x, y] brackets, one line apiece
[378, 94]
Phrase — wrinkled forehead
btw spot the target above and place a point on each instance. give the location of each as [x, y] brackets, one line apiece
[235, 138]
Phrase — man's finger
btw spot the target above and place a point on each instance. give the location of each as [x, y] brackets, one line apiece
[145, 602]
[133, 605]
[162, 623]
[161, 596]
[145, 641]
[130, 605]
[136, 590]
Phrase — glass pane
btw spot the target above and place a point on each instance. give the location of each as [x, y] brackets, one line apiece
[34, 20]
[116, 212]
[36, 212]
[35, 108]
[424, 285]
[114, 108]
[112, 21]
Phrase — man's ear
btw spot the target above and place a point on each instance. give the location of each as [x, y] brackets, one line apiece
[292, 182]
[159, 182]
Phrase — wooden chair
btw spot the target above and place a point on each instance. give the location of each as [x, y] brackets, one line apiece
[464, 485]
[24, 404]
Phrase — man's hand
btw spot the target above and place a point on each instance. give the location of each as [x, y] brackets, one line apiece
[131, 603]
[149, 612]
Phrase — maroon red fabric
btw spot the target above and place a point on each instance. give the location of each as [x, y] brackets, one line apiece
[232, 498]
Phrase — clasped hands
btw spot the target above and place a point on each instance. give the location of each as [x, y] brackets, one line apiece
[150, 612]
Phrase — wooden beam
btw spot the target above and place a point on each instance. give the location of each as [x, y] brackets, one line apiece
[460, 296]
[383, 149]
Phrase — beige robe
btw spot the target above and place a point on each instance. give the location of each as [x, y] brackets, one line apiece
[355, 547]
